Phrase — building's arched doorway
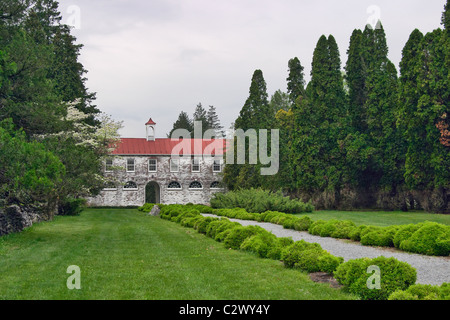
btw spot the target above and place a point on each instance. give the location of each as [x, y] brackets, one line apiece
[152, 192]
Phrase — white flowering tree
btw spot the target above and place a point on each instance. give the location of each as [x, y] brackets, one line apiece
[82, 149]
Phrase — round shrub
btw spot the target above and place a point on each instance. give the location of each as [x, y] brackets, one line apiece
[289, 223]
[422, 292]
[405, 232]
[402, 295]
[221, 236]
[238, 234]
[430, 239]
[292, 254]
[277, 247]
[329, 263]
[260, 244]
[316, 227]
[383, 237]
[201, 224]
[394, 275]
[302, 224]
[342, 229]
[190, 221]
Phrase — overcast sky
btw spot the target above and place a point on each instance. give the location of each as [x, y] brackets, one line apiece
[155, 58]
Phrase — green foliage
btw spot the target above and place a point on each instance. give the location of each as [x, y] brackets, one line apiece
[383, 237]
[332, 228]
[395, 275]
[147, 207]
[72, 206]
[29, 173]
[309, 257]
[430, 239]
[260, 244]
[423, 292]
[238, 235]
[259, 200]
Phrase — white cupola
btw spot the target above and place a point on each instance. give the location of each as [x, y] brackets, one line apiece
[150, 130]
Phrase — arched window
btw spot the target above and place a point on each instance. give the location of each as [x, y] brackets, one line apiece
[216, 185]
[110, 186]
[130, 185]
[195, 185]
[174, 185]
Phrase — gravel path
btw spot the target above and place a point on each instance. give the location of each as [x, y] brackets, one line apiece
[430, 269]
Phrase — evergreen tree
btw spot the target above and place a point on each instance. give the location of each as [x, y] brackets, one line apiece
[256, 112]
[214, 121]
[356, 75]
[201, 116]
[295, 80]
[183, 122]
[280, 101]
[319, 125]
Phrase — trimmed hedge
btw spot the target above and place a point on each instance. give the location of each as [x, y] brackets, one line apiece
[147, 207]
[259, 200]
[423, 292]
[429, 238]
[394, 275]
[309, 257]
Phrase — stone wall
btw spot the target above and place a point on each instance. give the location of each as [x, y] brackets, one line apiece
[120, 196]
[15, 219]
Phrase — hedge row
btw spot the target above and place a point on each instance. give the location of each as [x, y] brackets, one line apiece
[429, 238]
[394, 275]
[309, 257]
[423, 292]
[259, 200]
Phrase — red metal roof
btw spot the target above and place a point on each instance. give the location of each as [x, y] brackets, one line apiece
[151, 122]
[167, 146]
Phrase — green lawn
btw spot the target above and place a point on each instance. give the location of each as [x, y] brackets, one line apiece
[379, 218]
[125, 254]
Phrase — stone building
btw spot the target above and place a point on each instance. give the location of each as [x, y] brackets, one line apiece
[162, 170]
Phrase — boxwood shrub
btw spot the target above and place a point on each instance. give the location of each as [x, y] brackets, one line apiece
[383, 237]
[423, 292]
[260, 244]
[430, 239]
[394, 275]
[309, 257]
[237, 235]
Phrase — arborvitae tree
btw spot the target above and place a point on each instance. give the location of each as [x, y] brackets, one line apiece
[183, 122]
[356, 73]
[319, 125]
[295, 80]
[280, 101]
[256, 112]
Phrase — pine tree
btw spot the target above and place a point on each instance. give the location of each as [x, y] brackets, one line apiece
[183, 122]
[214, 121]
[200, 115]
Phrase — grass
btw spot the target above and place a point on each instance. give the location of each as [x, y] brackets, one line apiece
[379, 218]
[124, 254]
